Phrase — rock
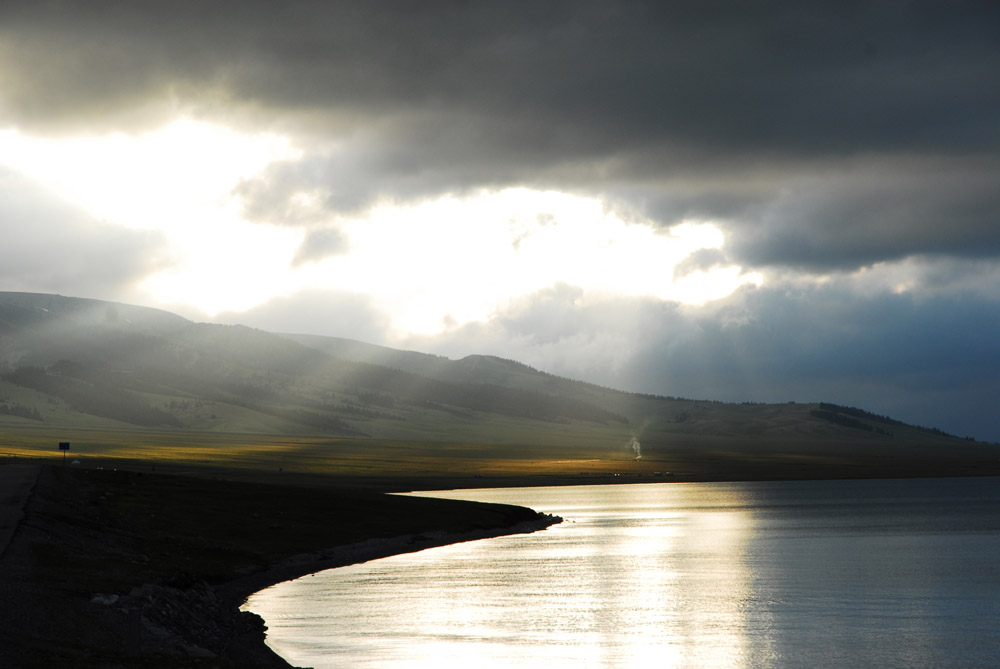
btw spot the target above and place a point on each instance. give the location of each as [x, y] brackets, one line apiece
[188, 622]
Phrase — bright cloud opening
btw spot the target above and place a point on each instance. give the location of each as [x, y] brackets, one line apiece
[455, 260]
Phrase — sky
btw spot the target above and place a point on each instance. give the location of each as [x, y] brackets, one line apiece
[764, 202]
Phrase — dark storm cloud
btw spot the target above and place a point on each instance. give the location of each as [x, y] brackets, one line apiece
[702, 106]
[49, 246]
[585, 77]
[861, 214]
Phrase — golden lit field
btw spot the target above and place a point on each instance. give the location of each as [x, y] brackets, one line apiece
[407, 463]
[337, 457]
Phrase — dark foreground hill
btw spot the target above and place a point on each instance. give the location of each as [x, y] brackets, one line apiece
[71, 366]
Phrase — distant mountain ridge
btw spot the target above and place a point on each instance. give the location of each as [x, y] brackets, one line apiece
[68, 361]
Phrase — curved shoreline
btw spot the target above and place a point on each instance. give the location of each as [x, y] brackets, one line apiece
[236, 592]
[124, 591]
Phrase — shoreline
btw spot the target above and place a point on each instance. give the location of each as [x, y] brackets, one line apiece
[222, 605]
[238, 591]
[94, 577]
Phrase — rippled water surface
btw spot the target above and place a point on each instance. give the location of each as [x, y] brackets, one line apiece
[845, 573]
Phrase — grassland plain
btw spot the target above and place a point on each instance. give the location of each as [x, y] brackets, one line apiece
[405, 464]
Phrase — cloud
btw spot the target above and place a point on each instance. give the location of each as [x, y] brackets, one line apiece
[51, 246]
[614, 75]
[833, 138]
[330, 313]
[701, 260]
[578, 95]
[929, 360]
[863, 214]
[320, 244]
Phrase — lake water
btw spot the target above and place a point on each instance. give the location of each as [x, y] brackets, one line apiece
[790, 574]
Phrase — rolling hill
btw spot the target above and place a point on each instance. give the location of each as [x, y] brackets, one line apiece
[70, 363]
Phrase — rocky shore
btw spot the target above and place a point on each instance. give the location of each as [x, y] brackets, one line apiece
[95, 576]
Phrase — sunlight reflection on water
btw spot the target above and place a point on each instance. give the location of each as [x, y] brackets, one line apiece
[672, 575]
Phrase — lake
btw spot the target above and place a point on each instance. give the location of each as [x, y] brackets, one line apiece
[899, 573]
